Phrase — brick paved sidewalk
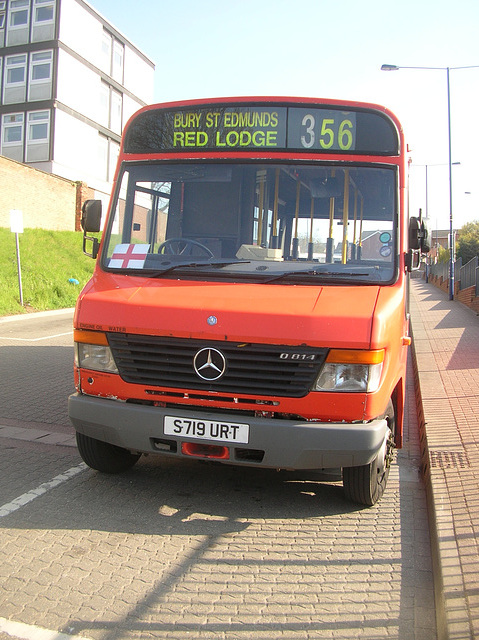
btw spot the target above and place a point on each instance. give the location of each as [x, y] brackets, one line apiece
[446, 344]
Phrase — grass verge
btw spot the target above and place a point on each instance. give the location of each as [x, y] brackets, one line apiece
[49, 260]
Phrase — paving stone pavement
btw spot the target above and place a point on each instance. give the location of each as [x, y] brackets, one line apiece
[36, 365]
[191, 550]
[446, 344]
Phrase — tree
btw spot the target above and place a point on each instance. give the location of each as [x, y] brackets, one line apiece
[467, 245]
[442, 255]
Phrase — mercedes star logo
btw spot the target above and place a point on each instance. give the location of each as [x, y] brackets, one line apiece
[209, 364]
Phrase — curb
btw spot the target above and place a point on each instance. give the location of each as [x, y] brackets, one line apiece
[36, 314]
[452, 612]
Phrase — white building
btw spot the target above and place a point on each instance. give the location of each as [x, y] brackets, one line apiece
[69, 81]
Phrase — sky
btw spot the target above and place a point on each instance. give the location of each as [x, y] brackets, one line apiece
[332, 49]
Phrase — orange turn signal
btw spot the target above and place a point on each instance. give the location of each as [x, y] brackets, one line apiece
[90, 337]
[355, 356]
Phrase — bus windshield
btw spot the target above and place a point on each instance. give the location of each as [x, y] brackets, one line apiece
[299, 223]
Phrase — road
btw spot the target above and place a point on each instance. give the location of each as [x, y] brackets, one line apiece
[190, 550]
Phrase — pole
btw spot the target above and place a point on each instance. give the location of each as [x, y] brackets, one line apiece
[330, 239]
[451, 226]
[427, 209]
[19, 269]
[311, 243]
[274, 237]
[16, 226]
[260, 208]
[296, 218]
[344, 257]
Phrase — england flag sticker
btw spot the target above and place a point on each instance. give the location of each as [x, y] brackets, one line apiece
[129, 256]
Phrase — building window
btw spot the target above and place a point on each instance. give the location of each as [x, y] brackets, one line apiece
[116, 111]
[108, 152]
[19, 13]
[38, 127]
[41, 66]
[102, 157]
[15, 84]
[111, 108]
[15, 69]
[44, 11]
[114, 152]
[12, 136]
[112, 56]
[104, 114]
[38, 136]
[12, 129]
[40, 85]
[117, 61]
[106, 45]
[18, 30]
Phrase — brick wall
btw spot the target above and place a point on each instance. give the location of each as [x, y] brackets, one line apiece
[83, 192]
[466, 296]
[47, 201]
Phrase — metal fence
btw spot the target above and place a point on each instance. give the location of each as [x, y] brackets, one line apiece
[466, 276]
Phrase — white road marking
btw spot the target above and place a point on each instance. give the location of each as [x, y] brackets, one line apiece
[25, 498]
[32, 632]
[57, 335]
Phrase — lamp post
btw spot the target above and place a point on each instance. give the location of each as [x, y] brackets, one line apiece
[426, 166]
[393, 67]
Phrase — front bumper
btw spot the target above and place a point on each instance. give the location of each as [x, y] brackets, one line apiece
[287, 444]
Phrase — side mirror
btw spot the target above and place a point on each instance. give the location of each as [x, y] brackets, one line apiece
[425, 236]
[419, 235]
[413, 260]
[91, 223]
[91, 216]
[419, 242]
[414, 231]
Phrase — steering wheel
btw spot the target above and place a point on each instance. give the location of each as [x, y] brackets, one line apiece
[182, 247]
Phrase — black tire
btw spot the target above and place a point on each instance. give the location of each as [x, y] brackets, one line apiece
[104, 456]
[366, 484]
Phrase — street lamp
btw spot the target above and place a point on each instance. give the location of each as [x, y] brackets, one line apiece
[426, 166]
[393, 67]
[427, 190]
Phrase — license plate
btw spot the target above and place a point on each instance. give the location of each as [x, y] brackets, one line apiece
[206, 429]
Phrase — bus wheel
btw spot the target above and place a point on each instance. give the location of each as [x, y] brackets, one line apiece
[103, 456]
[366, 484]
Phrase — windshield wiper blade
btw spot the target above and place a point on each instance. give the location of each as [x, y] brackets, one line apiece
[193, 265]
[343, 275]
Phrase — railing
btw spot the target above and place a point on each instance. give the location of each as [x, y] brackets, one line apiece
[440, 270]
[468, 274]
[465, 276]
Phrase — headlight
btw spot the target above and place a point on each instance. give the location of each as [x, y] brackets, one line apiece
[92, 351]
[351, 371]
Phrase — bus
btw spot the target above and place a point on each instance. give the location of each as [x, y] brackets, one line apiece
[249, 300]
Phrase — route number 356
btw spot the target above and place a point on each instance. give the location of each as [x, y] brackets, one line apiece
[332, 134]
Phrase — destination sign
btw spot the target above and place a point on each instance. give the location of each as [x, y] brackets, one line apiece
[261, 127]
[247, 128]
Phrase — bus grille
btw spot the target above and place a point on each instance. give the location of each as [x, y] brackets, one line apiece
[261, 370]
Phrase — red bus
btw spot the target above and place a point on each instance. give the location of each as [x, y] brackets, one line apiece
[249, 300]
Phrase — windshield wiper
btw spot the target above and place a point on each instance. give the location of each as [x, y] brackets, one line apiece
[192, 265]
[339, 276]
